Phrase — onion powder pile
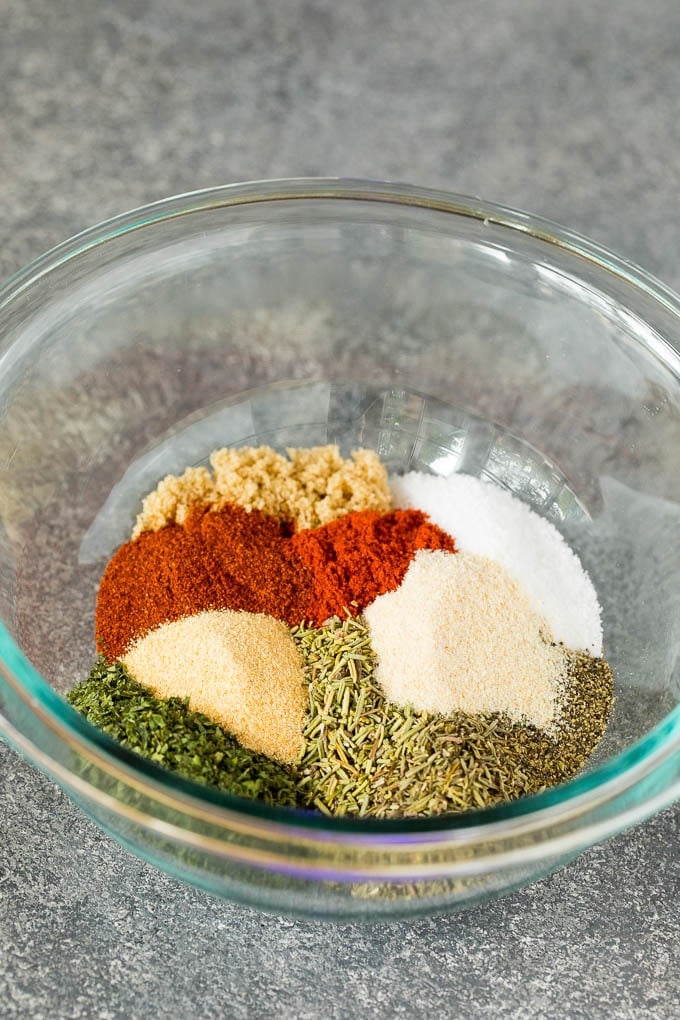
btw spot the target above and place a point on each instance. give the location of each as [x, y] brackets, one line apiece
[242, 669]
[459, 635]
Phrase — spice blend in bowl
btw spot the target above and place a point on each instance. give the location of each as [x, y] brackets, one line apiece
[460, 341]
[306, 630]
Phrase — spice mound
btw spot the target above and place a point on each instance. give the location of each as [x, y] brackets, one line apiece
[460, 635]
[241, 669]
[303, 629]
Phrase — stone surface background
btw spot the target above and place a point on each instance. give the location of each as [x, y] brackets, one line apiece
[568, 110]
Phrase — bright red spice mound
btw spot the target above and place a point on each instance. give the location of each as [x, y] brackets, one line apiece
[362, 555]
[238, 559]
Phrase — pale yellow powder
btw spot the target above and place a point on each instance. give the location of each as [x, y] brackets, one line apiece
[311, 486]
[243, 670]
[460, 634]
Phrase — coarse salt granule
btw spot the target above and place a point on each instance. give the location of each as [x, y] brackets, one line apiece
[242, 670]
[459, 634]
[489, 521]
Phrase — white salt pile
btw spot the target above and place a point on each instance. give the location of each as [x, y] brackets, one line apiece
[489, 521]
[242, 670]
[460, 635]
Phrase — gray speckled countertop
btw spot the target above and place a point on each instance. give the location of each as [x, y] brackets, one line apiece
[568, 110]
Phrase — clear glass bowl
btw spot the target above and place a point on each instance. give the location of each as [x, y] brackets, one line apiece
[447, 333]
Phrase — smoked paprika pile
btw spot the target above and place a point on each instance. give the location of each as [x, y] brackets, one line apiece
[238, 559]
[285, 609]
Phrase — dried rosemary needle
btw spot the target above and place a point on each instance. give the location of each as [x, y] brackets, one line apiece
[365, 756]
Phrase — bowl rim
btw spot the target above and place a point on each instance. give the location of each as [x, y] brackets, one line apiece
[607, 781]
[347, 188]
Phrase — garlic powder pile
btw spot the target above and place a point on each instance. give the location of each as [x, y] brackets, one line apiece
[241, 669]
[459, 635]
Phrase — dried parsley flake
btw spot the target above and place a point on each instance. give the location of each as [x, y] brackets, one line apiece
[167, 731]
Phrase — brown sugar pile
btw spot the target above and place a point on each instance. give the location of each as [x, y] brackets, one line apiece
[310, 487]
[242, 670]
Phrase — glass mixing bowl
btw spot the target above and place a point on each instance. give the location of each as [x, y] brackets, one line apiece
[447, 333]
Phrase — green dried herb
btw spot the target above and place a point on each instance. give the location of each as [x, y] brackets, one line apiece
[362, 755]
[168, 732]
[366, 757]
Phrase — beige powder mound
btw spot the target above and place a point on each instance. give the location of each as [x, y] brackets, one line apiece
[460, 634]
[311, 486]
[243, 670]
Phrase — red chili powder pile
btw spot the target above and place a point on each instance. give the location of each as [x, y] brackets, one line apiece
[360, 556]
[238, 559]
